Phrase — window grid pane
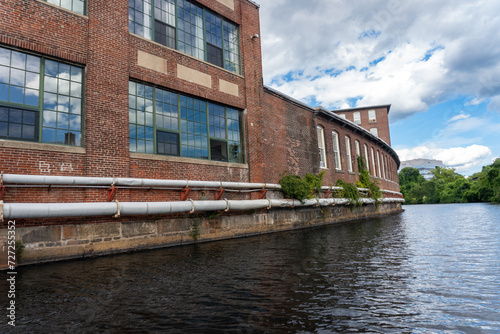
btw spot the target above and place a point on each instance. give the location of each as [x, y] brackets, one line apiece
[167, 143]
[141, 131]
[164, 13]
[167, 112]
[139, 18]
[19, 78]
[231, 48]
[217, 121]
[77, 6]
[62, 118]
[234, 136]
[18, 124]
[194, 131]
[190, 26]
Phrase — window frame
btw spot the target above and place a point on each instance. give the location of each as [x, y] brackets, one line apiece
[185, 124]
[230, 48]
[373, 163]
[348, 154]
[41, 109]
[372, 116]
[367, 162]
[84, 9]
[336, 150]
[357, 117]
[378, 164]
[320, 132]
[374, 131]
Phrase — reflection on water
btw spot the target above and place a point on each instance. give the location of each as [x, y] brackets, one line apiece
[431, 269]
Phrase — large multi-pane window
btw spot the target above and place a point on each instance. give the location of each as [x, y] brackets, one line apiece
[167, 123]
[77, 6]
[189, 28]
[40, 99]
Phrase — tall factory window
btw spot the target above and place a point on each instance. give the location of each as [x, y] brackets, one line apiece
[348, 152]
[321, 146]
[167, 123]
[373, 164]
[77, 6]
[336, 150]
[40, 99]
[366, 158]
[189, 28]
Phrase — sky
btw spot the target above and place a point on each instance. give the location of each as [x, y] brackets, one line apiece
[436, 62]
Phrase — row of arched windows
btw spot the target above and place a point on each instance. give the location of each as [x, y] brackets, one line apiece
[377, 163]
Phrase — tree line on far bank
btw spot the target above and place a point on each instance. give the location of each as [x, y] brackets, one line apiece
[447, 186]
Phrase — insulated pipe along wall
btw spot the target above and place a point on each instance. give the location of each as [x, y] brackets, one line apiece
[107, 181]
[61, 210]
[134, 182]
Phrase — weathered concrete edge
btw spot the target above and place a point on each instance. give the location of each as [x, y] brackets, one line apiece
[56, 243]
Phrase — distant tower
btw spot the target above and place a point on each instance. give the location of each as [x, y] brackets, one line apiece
[374, 119]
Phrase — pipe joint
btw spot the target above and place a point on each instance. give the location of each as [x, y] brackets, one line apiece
[117, 215]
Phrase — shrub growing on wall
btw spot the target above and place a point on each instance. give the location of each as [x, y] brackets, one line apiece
[366, 182]
[295, 187]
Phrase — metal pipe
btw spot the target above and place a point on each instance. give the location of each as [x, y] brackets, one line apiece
[144, 183]
[59, 210]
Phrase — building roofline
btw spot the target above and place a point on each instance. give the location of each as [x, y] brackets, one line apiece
[254, 3]
[324, 112]
[288, 98]
[331, 114]
[388, 106]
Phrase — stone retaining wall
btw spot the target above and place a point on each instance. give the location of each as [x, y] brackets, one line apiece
[54, 243]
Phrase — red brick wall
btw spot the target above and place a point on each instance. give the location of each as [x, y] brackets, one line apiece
[279, 135]
[44, 29]
[289, 143]
[382, 124]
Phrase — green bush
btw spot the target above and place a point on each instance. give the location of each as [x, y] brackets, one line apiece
[350, 192]
[295, 187]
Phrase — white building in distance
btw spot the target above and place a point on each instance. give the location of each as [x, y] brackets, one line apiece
[424, 166]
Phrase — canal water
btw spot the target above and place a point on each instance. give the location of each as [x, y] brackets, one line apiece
[431, 269]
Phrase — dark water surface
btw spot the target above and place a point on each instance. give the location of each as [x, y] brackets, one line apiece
[431, 269]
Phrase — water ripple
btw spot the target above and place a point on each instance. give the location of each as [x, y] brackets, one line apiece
[432, 269]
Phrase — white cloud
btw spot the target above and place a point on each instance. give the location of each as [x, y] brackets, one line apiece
[412, 54]
[458, 117]
[474, 102]
[461, 158]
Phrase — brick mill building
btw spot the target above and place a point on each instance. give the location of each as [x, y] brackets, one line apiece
[161, 89]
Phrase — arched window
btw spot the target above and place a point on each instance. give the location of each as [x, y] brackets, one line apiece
[348, 152]
[373, 164]
[336, 150]
[321, 147]
[366, 158]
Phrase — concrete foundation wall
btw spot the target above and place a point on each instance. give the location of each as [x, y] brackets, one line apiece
[54, 243]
